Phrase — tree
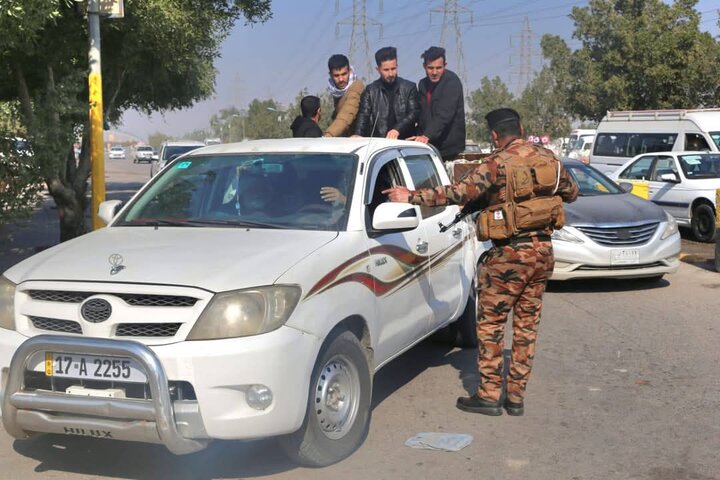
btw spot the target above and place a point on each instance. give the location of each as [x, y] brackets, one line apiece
[156, 140]
[635, 55]
[267, 119]
[159, 57]
[492, 94]
[541, 107]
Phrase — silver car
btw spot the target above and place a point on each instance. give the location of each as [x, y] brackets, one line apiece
[611, 233]
[683, 183]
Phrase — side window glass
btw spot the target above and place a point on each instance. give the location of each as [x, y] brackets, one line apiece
[387, 176]
[640, 170]
[662, 166]
[695, 142]
[423, 174]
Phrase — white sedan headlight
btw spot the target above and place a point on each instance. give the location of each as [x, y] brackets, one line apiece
[7, 308]
[565, 235]
[672, 227]
[243, 313]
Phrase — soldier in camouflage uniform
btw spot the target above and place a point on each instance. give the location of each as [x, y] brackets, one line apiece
[514, 274]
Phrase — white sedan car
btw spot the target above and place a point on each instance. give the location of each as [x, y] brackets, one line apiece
[613, 234]
[683, 183]
[117, 153]
[249, 290]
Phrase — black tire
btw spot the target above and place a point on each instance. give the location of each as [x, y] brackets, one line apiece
[703, 222]
[341, 369]
[464, 329]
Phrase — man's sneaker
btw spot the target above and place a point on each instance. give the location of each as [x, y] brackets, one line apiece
[514, 409]
[475, 404]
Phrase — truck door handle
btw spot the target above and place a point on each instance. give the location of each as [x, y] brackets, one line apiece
[421, 247]
[456, 233]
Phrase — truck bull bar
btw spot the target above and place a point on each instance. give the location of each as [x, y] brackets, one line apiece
[153, 421]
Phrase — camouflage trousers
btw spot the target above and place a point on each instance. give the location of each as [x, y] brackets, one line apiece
[512, 278]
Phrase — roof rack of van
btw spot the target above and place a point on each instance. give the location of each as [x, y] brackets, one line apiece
[654, 114]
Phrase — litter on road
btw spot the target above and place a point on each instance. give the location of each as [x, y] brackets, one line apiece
[450, 442]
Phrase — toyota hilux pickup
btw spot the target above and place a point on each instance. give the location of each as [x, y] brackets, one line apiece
[248, 290]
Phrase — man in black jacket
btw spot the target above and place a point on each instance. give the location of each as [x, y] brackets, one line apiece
[306, 124]
[388, 106]
[442, 106]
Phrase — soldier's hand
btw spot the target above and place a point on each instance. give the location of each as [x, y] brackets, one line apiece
[420, 138]
[397, 194]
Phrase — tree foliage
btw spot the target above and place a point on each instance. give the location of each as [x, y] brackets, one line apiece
[540, 106]
[636, 55]
[492, 94]
[159, 57]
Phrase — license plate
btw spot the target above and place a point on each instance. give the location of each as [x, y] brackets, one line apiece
[90, 367]
[625, 257]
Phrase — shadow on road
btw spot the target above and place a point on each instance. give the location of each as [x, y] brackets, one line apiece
[606, 285]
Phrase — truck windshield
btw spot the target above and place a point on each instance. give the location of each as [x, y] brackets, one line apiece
[249, 190]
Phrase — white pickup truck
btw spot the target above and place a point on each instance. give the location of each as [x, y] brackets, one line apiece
[249, 290]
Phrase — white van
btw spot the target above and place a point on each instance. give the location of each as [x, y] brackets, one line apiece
[579, 138]
[623, 135]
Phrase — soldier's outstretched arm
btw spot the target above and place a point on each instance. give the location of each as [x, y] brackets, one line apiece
[567, 188]
[475, 184]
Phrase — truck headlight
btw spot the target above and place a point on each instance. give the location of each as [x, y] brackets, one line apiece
[7, 301]
[672, 227]
[242, 313]
[565, 235]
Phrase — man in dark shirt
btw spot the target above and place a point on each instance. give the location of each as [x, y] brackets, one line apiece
[442, 106]
[388, 106]
[306, 124]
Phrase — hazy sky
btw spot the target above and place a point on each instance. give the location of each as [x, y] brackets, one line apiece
[290, 51]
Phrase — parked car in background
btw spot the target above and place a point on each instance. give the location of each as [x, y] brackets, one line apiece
[683, 183]
[117, 153]
[623, 135]
[611, 233]
[580, 140]
[170, 150]
[228, 299]
[143, 153]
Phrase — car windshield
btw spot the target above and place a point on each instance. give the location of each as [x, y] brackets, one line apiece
[177, 150]
[117, 149]
[700, 165]
[248, 190]
[144, 149]
[591, 182]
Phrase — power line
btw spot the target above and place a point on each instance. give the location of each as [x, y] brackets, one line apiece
[452, 11]
[525, 52]
[359, 23]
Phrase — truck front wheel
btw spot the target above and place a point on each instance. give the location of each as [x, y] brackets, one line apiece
[338, 411]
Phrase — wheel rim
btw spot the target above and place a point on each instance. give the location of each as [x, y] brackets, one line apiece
[337, 396]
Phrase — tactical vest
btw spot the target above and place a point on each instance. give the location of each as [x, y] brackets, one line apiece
[528, 202]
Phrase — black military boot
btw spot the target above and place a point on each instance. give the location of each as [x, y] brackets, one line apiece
[475, 404]
[514, 409]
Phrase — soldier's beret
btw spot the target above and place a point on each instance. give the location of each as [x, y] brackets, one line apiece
[501, 115]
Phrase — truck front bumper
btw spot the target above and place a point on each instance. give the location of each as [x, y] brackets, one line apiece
[220, 372]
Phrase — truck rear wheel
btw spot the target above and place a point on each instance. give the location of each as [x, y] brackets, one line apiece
[338, 411]
[464, 329]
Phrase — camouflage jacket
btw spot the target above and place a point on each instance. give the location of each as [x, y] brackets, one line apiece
[487, 181]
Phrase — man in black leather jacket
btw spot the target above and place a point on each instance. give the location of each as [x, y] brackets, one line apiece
[389, 106]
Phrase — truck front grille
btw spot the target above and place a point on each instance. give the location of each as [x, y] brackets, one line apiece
[147, 329]
[56, 325]
[138, 300]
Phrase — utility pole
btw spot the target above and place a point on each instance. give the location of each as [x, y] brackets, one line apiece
[359, 23]
[525, 52]
[452, 12]
[97, 154]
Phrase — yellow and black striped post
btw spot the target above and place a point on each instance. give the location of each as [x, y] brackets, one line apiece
[97, 154]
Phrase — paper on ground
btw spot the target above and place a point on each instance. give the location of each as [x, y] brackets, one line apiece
[450, 442]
